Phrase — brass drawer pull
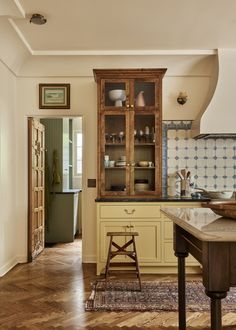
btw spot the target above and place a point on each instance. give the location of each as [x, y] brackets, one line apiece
[129, 212]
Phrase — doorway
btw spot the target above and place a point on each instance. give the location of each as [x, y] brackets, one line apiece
[63, 179]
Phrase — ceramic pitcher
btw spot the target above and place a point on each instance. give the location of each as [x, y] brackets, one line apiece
[140, 102]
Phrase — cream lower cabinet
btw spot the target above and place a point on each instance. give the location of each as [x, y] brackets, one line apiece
[155, 240]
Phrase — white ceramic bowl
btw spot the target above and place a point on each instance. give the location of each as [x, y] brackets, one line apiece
[118, 96]
[143, 163]
[220, 194]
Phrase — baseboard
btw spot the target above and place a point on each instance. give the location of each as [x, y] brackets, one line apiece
[20, 259]
[8, 266]
[89, 259]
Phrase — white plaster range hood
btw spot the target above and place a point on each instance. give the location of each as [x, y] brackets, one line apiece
[219, 117]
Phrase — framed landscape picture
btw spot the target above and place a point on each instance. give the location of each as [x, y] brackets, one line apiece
[54, 96]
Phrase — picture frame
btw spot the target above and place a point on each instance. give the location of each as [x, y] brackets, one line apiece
[54, 96]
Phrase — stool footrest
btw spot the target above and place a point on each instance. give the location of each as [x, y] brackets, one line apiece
[122, 264]
[123, 271]
[123, 253]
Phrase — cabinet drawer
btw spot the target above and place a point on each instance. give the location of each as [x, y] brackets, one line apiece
[129, 211]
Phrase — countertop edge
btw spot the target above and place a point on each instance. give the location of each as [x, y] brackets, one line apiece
[145, 199]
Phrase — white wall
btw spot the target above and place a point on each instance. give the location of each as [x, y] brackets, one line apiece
[193, 78]
[83, 103]
[8, 172]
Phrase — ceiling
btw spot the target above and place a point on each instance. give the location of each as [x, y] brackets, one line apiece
[127, 26]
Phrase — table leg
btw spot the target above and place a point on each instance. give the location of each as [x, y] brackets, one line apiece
[216, 322]
[181, 289]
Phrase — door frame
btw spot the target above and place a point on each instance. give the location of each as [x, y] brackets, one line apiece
[28, 192]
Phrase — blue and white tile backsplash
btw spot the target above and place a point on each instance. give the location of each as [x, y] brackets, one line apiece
[212, 162]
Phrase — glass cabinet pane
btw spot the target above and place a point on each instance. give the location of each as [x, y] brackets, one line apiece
[144, 153]
[144, 93]
[115, 153]
[115, 94]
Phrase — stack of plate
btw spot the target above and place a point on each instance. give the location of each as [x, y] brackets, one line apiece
[141, 185]
[120, 163]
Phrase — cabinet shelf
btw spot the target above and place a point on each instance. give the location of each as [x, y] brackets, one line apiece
[115, 144]
[115, 168]
[144, 168]
[143, 144]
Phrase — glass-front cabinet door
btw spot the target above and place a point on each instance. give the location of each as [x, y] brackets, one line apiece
[114, 154]
[144, 171]
[129, 132]
[114, 94]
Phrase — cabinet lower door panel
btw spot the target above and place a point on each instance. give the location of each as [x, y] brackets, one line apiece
[148, 242]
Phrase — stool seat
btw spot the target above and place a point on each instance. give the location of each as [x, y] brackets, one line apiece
[122, 251]
[122, 233]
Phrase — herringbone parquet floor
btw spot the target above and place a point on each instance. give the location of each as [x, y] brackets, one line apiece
[50, 292]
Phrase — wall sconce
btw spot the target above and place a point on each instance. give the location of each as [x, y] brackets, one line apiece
[182, 98]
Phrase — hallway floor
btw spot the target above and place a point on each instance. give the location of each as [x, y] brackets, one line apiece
[50, 292]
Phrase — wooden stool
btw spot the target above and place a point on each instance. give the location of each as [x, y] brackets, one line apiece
[122, 250]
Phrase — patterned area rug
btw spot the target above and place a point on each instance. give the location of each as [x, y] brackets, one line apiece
[155, 296]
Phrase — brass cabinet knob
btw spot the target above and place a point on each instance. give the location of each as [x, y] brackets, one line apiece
[132, 106]
[127, 105]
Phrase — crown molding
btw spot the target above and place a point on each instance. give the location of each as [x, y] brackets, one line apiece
[21, 36]
[124, 52]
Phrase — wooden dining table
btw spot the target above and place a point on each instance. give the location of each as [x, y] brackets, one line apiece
[211, 239]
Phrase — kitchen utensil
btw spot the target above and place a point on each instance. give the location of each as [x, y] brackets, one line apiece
[216, 194]
[225, 209]
[183, 172]
[188, 174]
[180, 175]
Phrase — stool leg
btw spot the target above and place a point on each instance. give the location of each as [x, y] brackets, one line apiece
[108, 261]
[137, 264]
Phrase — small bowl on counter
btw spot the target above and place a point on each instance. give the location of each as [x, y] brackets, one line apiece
[214, 194]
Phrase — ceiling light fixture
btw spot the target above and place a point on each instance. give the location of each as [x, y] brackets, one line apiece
[38, 19]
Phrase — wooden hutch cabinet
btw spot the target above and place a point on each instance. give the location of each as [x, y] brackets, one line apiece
[129, 132]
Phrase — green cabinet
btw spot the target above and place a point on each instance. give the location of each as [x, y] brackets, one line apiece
[63, 215]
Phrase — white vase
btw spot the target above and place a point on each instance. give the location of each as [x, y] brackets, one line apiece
[140, 102]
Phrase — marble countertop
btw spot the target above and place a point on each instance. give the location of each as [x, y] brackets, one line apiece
[203, 223]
